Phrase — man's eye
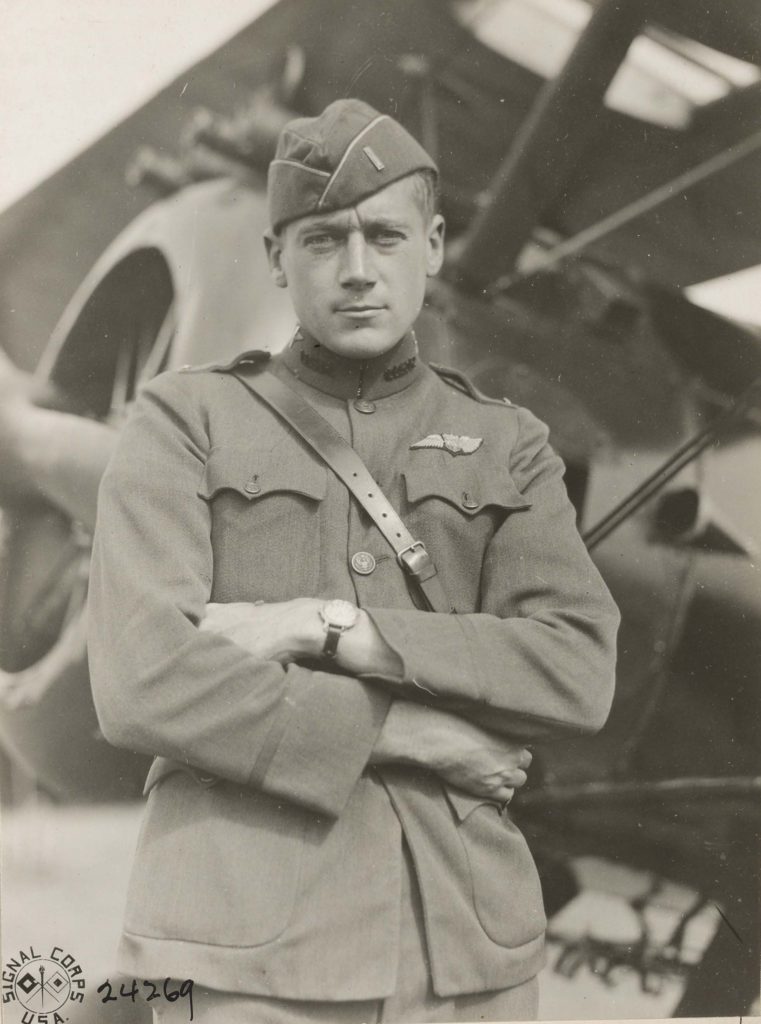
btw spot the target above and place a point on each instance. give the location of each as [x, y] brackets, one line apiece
[388, 237]
[321, 241]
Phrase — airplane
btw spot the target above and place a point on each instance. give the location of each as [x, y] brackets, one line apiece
[597, 159]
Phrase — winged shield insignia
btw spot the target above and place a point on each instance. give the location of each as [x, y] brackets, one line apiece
[455, 444]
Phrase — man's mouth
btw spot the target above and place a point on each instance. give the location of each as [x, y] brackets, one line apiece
[360, 312]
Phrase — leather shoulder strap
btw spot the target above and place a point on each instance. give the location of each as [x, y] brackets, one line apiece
[351, 470]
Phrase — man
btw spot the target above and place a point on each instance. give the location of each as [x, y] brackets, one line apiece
[325, 836]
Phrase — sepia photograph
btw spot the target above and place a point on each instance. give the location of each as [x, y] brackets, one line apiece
[380, 511]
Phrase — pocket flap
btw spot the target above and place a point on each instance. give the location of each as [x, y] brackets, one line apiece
[463, 803]
[252, 473]
[165, 766]
[469, 487]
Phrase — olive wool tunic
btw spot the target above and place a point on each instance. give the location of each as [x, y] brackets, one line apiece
[270, 856]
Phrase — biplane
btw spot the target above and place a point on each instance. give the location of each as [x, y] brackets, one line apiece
[597, 159]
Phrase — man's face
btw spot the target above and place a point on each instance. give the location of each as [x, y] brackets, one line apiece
[357, 276]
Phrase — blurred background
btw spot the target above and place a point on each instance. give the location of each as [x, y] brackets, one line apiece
[600, 178]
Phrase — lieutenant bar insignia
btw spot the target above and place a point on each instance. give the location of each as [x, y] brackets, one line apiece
[455, 444]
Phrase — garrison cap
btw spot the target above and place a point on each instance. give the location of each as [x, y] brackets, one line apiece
[333, 161]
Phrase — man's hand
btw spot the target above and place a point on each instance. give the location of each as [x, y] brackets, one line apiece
[275, 631]
[463, 755]
[285, 631]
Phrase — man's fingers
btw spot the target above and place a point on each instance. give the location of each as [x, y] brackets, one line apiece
[520, 756]
[505, 795]
[515, 778]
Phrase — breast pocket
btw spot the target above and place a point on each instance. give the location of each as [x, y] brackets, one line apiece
[455, 505]
[266, 514]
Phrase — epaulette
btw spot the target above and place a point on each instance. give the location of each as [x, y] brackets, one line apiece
[464, 384]
[252, 357]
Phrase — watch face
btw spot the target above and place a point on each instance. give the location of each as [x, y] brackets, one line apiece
[339, 613]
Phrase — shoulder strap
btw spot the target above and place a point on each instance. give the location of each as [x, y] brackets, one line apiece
[350, 469]
[463, 383]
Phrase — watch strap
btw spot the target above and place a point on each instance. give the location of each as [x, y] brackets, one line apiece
[332, 636]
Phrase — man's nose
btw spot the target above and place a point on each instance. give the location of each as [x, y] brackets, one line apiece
[357, 266]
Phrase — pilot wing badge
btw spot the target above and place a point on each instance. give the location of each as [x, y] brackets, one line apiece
[455, 444]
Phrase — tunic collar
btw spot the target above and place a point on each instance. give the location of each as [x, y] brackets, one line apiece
[348, 378]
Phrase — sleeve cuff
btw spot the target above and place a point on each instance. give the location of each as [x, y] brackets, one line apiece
[435, 652]
[322, 743]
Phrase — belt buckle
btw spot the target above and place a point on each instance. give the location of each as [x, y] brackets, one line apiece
[417, 546]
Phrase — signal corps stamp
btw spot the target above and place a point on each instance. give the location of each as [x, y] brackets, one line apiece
[43, 984]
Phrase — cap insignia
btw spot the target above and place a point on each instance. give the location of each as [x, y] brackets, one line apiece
[374, 159]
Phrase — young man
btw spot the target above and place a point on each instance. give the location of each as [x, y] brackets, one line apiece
[325, 836]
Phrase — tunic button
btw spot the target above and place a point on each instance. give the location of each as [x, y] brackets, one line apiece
[363, 563]
[364, 405]
[252, 487]
[468, 501]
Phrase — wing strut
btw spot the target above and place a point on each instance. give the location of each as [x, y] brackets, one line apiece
[535, 168]
[676, 462]
[644, 204]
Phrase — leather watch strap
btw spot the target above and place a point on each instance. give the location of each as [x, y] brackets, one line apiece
[411, 554]
[332, 636]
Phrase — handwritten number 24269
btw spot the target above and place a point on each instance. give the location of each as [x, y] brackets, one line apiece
[185, 991]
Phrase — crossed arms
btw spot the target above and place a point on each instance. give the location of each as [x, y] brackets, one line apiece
[536, 662]
[462, 754]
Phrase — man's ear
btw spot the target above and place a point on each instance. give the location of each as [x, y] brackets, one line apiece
[274, 249]
[435, 248]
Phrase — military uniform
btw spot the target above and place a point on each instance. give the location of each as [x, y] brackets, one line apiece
[272, 861]
[243, 871]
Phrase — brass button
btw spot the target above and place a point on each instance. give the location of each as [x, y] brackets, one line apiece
[363, 563]
[252, 487]
[468, 501]
[364, 405]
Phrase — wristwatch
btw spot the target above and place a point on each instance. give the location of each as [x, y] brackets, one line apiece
[338, 616]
